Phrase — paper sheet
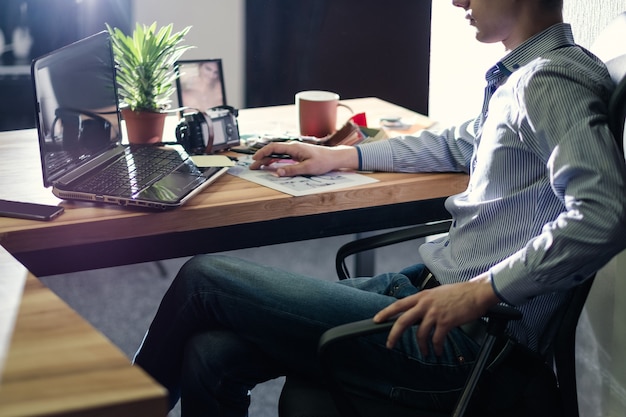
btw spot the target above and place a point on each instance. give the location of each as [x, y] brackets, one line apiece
[299, 185]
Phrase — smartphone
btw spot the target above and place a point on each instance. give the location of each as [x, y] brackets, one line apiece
[31, 211]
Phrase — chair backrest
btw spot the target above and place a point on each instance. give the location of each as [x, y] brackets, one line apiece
[563, 349]
[617, 105]
[610, 46]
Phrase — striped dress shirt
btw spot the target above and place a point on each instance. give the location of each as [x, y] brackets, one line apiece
[545, 204]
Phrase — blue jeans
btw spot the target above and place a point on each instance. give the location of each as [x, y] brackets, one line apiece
[226, 324]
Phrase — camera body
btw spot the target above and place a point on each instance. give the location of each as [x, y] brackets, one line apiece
[208, 132]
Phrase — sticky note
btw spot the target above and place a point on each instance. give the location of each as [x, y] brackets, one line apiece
[206, 161]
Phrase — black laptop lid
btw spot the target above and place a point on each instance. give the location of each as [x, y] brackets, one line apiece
[76, 104]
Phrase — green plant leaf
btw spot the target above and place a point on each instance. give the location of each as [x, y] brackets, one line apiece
[145, 59]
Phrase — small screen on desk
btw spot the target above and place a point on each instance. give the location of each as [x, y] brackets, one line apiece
[76, 103]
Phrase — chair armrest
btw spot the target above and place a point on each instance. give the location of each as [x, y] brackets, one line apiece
[351, 330]
[498, 315]
[386, 239]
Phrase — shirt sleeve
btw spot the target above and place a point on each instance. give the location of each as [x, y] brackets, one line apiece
[566, 125]
[427, 151]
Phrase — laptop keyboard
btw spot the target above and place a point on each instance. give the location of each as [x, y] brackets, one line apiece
[131, 173]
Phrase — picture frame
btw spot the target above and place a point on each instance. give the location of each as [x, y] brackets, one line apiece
[200, 84]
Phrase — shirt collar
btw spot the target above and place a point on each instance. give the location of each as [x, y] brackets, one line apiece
[555, 37]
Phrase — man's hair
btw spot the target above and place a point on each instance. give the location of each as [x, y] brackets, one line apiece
[552, 4]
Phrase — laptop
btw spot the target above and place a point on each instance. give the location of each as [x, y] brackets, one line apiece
[80, 136]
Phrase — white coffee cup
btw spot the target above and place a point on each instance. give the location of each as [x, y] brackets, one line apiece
[317, 112]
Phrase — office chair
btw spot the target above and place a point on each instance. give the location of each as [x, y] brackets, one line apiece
[302, 398]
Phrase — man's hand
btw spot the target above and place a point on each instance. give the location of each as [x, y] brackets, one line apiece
[311, 159]
[439, 310]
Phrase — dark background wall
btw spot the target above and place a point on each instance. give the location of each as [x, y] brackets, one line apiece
[51, 24]
[357, 48]
[55, 23]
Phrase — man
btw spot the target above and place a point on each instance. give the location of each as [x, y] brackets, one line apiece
[544, 209]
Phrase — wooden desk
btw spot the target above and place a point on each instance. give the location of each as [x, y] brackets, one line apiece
[56, 362]
[230, 214]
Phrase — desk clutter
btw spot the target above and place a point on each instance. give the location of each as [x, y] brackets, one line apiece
[353, 132]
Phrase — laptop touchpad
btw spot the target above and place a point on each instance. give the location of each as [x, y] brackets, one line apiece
[171, 188]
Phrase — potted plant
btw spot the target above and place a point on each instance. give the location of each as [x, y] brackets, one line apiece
[146, 77]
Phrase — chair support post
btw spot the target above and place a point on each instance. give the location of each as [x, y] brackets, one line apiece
[474, 376]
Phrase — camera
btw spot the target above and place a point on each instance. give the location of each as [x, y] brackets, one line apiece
[208, 132]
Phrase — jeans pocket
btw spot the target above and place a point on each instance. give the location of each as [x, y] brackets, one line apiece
[400, 286]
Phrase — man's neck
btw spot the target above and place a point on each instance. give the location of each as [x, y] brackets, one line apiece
[530, 24]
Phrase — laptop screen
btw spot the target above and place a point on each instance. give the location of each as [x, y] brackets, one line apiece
[76, 104]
